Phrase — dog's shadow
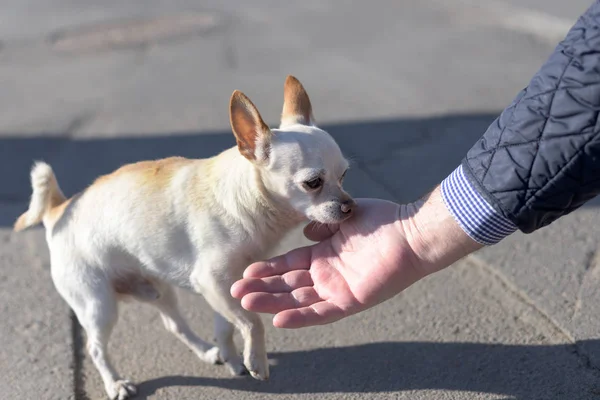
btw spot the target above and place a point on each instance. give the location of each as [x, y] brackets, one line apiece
[516, 371]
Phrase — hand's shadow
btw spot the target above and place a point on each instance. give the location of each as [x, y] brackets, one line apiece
[521, 372]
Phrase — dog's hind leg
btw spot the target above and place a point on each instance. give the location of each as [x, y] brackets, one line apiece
[91, 297]
[174, 323]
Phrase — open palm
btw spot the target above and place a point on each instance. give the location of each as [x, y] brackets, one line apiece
[356, 265]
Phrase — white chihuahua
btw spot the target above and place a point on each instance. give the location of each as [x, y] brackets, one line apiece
[195, 224]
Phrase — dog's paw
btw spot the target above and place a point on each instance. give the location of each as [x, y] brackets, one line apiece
[212, 356]
[258, 367]
[122, 390]
[261, 376]
[236, 366]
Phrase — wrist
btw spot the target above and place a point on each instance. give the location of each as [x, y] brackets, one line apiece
[433, 234]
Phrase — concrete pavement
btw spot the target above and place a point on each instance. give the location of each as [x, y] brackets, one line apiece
[405, 87]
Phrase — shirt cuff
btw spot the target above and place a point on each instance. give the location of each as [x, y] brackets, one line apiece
[473, 213]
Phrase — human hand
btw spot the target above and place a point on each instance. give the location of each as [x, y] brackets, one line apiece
[358, 264]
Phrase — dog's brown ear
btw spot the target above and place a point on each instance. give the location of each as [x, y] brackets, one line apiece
[296, 104]
[253, 136]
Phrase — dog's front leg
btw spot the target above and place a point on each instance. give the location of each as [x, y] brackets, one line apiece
[214, 285]
[227, 350]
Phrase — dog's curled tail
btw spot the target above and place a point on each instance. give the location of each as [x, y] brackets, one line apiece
[46, 194]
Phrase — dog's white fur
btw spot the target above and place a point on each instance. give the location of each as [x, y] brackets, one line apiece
[194, 224]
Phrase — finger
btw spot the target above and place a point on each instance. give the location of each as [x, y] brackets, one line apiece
[274, 284]
[316, 314]
[293, 260]
[317, 232]
[273, 303]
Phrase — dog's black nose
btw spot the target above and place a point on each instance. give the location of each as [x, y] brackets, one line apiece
[348, 206]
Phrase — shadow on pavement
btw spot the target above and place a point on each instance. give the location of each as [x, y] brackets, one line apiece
[407, 157]
[521, 372]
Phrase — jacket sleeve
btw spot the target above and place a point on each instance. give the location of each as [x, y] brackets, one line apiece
[540, 159]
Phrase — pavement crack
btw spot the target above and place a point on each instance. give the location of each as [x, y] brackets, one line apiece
[591, 264]
[78, 357]
[509, 286]
[230, 58]
[79, 122]
[583, 358]
[364, 168]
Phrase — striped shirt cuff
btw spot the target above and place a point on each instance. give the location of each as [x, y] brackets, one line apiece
[473, 213]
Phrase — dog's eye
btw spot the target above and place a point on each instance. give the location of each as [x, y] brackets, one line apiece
[314, 183]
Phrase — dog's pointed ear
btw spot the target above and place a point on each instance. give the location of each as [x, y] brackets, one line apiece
[253, 136]
[296, 104]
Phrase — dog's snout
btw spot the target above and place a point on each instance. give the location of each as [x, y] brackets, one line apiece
[348, 206]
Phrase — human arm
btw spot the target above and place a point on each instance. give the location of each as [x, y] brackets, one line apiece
[540, 160]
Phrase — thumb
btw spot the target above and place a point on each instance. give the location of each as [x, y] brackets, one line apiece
[317, 232]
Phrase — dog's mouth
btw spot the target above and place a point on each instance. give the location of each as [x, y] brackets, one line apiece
[332, 220]
[332, 213]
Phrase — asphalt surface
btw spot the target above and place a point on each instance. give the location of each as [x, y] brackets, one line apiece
[405, 87]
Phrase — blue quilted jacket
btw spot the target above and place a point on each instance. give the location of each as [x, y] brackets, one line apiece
[540, 159]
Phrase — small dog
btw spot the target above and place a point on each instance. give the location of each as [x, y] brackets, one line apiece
[195, 224]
